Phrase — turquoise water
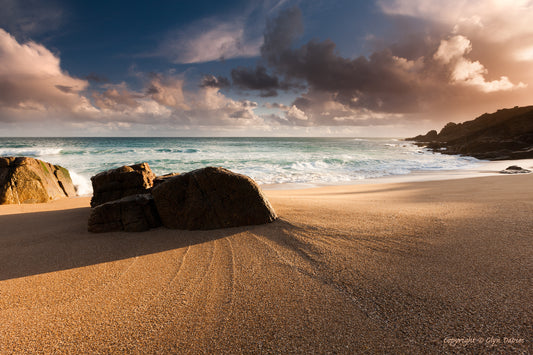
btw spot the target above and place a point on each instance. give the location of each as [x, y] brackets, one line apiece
[267, 160]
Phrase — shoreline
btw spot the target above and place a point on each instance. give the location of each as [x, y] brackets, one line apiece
[485, 168]
[273, 160]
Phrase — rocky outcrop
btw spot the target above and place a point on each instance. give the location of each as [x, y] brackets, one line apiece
[514, 169]
[211, 198]
[505, 134]
[207, 198]
[117, 183]
[29, 180]
[135, 213]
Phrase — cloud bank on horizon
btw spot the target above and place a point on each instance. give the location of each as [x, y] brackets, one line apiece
[436, 63]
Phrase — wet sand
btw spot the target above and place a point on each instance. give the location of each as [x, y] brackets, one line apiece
[421, 267]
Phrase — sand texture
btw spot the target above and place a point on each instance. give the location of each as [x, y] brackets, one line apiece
[385, 268]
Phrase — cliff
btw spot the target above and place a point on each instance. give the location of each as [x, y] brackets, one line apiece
[504, 134]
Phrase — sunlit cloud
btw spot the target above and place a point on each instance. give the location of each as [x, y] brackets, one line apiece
[500, 19]
[466, 72]
[34, 87]
[31, 78]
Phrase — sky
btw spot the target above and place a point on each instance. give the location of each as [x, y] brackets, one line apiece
[393, 68]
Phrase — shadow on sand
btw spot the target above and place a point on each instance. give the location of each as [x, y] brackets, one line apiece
[42, 242]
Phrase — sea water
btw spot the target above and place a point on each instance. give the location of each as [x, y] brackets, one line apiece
[315, 161]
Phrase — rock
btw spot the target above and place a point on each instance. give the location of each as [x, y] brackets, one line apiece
[29, 180]
[505, 134]
[134, 213]
[161, 179]
[117, 183]
[64, 180]
[211, 198]
[514, 169]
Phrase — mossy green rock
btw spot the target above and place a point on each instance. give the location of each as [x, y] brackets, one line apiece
[29, 180]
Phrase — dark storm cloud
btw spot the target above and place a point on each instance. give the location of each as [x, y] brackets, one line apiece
[280, 33]
[382, 82]
[212, 81]
[257, 79]
[340, 90]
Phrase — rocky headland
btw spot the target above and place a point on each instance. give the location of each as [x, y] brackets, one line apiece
[502, 135]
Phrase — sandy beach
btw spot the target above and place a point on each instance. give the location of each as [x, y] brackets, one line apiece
[419, 267]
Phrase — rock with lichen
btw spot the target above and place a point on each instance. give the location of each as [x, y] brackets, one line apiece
[30, 180]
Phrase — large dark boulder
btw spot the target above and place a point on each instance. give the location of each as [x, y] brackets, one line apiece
[29, 180]
[135, 213]
[161, 179]
[211, 198]
[117, 183]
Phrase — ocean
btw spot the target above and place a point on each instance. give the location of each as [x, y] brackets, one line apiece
[269, 161]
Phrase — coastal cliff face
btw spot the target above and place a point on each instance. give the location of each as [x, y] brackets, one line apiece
[29, 180]
[504, 134]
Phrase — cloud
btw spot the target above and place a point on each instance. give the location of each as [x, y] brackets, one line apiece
[210, 40]
[413, 75]
[116, 98]
[165, 102]
[257, 79]
[466, 72]
[31, 78]
[499, 30]
[500, 20]
[275, 105]
[294, 113]
[209, 106]
[453, 49]
[280, 33]
[167, 91]
[34, 88]
[455, 65]
[215, 82]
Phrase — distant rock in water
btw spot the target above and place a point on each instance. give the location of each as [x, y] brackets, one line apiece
[135, 213]
[211, 198]
[29, 180]
[117, 183]
[505, 134]
[514, 169]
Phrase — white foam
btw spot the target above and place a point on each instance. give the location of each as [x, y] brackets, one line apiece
[268, 162]
[29, 152]
[82, 184]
